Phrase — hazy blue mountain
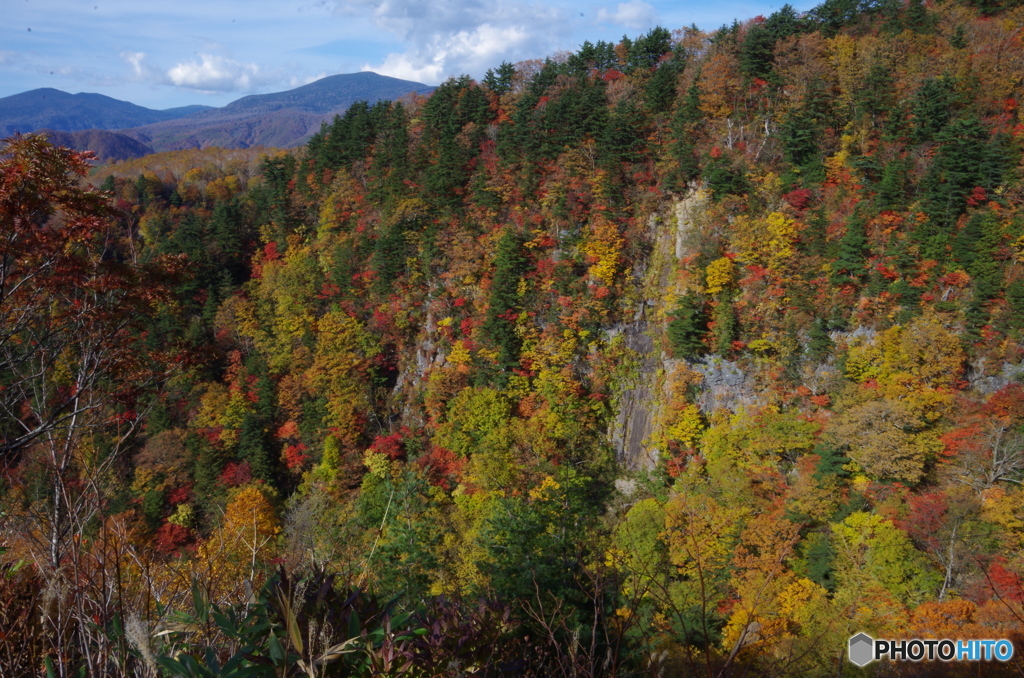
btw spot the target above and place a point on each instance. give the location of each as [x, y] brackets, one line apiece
[49, 108]
[281, 119]
[335, 92]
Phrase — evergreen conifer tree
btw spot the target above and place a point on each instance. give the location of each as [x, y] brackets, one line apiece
[853, 246]
[819, 345]
[499, 326]
[688, 327]
[726, 326]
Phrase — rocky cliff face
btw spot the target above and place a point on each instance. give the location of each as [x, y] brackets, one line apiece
[631, 431]
[673, 236]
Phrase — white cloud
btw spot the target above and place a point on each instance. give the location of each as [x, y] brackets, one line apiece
[300, 80]
[465, 51]
[135, 60]
[635, 14]
[215, 73]
[452, 37]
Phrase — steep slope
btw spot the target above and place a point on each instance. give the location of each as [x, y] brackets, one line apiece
[280, 128]
[705, 344]
[108, 146]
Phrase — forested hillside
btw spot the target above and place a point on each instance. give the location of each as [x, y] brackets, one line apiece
[691, 355]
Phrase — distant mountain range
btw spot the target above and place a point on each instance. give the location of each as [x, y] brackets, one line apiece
[283, 119]
[53, 109]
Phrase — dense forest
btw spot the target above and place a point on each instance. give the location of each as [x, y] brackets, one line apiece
[690, 355]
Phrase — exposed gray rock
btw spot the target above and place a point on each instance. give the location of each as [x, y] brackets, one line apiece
[671, 235]
[686, 211]
[865, 334]
[725, 385]
[632, 426]
[627, 488]
[984, 382]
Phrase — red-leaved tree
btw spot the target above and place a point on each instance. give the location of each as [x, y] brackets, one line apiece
[73, 359]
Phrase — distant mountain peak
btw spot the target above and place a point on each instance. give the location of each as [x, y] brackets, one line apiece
[281, 119]
[331, 93]
[49, 108]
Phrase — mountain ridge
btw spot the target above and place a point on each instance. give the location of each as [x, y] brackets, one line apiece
[49, 108]
[109, 146]
[280, 119]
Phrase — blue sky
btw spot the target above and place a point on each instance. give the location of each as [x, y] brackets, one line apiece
[179, 52]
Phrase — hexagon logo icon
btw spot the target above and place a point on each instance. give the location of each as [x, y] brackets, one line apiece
[862, 649]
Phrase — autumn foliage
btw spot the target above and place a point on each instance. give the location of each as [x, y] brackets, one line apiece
[692, 354]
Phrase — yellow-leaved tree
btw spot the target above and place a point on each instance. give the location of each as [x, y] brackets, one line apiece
[719, 275]
[343, 351]
[909, 373]
[769, 242]
[879, 573]
[779, 617]
[237, 551]
[603, 249]
[701, 534]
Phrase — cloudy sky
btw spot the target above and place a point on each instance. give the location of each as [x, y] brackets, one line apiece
[169, 53]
